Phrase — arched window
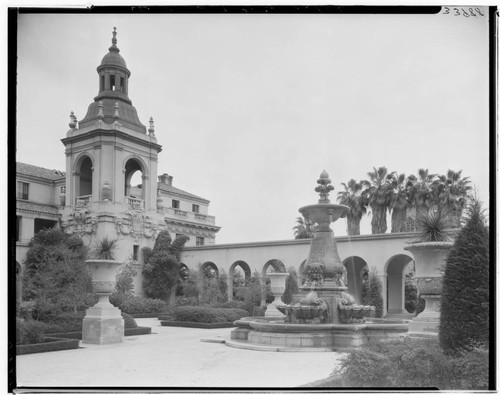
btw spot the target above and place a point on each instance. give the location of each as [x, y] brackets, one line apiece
[134, 191]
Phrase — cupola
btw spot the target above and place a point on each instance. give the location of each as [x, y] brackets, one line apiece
[113, 92]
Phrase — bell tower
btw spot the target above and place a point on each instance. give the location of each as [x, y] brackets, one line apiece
[104, 152]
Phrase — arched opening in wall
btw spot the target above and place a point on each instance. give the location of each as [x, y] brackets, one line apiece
[356, 268]
[84, 179]
[239, 275]
[395, 270]
[183, 272]
[209, 270]
[301, 274]
[134, 186]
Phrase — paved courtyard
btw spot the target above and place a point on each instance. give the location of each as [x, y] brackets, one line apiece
[173, 357]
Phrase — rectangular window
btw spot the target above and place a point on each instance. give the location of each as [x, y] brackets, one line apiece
[175, 203]
[112, 83]
[136, 252]
[122, 84]
[200, 241]
[18, 226]
[196, 208]
[22, 190]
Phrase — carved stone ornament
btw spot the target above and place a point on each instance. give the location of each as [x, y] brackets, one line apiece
[136, 224]
[80, 222]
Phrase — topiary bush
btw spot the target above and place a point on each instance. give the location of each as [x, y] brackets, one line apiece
[371, 292]
[207, 314]
[291, 286]
[464, 322]
[416, 363]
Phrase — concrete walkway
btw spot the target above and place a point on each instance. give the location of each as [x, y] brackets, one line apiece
[173, 357]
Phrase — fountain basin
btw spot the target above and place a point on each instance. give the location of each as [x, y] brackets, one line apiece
[257, 333]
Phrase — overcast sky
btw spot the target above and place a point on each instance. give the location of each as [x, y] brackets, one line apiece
[250, 109]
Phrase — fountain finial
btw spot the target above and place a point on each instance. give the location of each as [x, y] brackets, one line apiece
[324, 187]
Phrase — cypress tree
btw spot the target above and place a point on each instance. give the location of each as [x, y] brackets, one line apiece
[464, 322]
[372, 292]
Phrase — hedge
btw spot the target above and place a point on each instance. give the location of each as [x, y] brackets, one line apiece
[48, 344]
[207, 314]
[71, 322]
[140, 330]
[200, 325]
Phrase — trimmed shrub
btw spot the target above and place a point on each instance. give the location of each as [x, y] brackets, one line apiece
[251, 294]
[464, 322]
[371, 292]
[413, 302]
[137, 305]
[48, 344]
[186, 301]
[207, 314]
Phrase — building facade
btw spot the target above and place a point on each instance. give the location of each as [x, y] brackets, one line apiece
[94, 198]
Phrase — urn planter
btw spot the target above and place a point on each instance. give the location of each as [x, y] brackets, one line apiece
[278, 285]
[430, 258]
[103, 323]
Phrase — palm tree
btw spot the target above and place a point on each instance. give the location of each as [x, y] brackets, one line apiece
[304, 229]
[422, 194]
[379, 195]
[452, 192]
[353, 196]
[400, 201]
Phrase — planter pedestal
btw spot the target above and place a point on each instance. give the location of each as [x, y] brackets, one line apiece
[278, 282]
[103, 322]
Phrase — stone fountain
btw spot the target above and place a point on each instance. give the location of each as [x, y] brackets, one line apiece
[322, 316]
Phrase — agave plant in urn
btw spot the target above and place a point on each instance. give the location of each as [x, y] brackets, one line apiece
[430, 250]
[103, 323]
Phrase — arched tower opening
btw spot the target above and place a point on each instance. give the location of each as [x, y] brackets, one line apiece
[83, 178]
[134, 182]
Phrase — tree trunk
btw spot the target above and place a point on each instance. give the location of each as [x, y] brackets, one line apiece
[379, 219]
[353, 225]
[398, 220]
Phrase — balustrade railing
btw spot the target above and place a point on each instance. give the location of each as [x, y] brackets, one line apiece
[82, 201]
[135, 203]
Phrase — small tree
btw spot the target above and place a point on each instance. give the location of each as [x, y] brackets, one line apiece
[56, 278]
[465, 309]
[371, 292]
[161, 266]
[125, 277]
[291, 287]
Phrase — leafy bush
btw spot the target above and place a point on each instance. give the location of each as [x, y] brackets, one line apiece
[465, 309]
[186, 301]
[251, 294]
[413, 363]
[207, 314]
[371, 292]
[56, 277]
[29, 331]
[125, 277]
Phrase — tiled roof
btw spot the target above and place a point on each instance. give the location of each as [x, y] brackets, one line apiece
[36, 208]
[170, 189]
[39, 172]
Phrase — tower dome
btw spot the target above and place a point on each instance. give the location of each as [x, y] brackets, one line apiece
[113, 57]
[112, 103]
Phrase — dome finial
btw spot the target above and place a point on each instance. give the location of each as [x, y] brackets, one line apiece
[114, 41]
[151, 129]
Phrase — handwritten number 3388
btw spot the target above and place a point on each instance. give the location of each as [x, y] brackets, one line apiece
[464, 12]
